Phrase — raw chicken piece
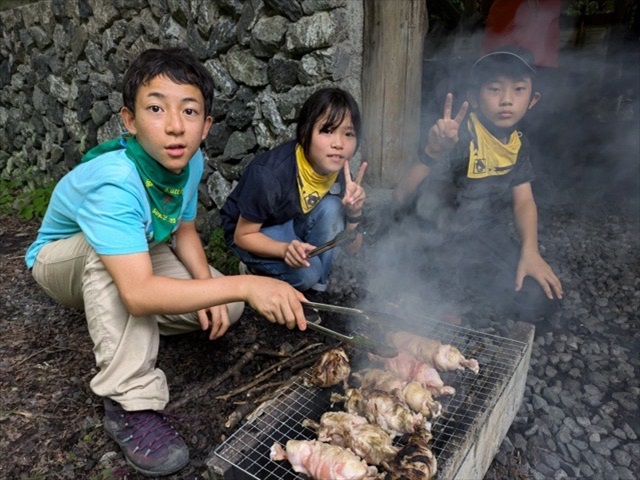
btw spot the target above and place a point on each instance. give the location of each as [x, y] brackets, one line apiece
[415, 461]
[332, 368]
[413, 393]
[382, 408]
[321, 461]
[438, 355]
[367, 440]
[411, 369]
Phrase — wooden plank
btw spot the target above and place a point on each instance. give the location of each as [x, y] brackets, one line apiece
[392, 75]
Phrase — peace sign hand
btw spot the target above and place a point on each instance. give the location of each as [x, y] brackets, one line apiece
[354, 194]
[443, 135]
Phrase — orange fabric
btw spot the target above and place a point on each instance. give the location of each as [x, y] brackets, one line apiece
[530, 24]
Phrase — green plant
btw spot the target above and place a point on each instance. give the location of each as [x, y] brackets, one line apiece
[27, 201]
[220, 255]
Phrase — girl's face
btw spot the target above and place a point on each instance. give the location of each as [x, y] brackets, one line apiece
[331, 147]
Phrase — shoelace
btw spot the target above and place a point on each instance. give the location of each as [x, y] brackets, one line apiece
[148, 429]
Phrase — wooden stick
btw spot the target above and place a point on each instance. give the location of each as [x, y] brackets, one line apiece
[203, 389]
[271, 371]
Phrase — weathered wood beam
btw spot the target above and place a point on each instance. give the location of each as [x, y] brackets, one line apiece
[394, 34]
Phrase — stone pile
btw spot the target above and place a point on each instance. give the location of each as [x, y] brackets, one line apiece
[61, 63]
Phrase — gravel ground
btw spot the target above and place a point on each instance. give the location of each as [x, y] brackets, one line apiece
[579, 417]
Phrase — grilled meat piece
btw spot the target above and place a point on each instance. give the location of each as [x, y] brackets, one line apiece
[412, 393]
[367, 440]
[321, 461]
[332, 368]
[411, 369]
[432, 352]
[415, 461]
[382, 408]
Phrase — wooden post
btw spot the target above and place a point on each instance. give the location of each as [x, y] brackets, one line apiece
[394, 34]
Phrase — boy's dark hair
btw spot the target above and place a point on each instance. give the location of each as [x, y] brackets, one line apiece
[511, 61]
[177, 63]
[336, 103]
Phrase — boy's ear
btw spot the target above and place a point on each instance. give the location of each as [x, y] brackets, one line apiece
[534, 99]
[128, 119]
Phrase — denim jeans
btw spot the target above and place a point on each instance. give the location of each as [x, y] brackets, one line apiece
[319, 226]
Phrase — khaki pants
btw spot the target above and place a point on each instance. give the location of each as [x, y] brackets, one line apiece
[125, 347]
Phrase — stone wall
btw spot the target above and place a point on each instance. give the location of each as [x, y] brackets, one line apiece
[61, 63]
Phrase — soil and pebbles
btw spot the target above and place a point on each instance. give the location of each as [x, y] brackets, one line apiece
[579, 417]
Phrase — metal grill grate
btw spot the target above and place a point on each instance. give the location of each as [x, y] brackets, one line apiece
[280, 419]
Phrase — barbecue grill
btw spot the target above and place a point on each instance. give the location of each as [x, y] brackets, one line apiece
[465, 438]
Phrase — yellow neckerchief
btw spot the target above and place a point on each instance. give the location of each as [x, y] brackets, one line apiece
[312, 187]
[488, 156]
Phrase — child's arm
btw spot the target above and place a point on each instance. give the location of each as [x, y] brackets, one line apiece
[144, 293]
[248, 237]
[531, 262]
[188, 248]
[353, 202]
[442, 137]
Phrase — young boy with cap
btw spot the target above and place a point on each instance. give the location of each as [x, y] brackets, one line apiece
[473, 177]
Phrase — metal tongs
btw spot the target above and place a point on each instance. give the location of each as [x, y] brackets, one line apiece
[345, 236]
[357, 340]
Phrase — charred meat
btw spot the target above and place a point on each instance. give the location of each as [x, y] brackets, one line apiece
[332, 368]
[415, 461]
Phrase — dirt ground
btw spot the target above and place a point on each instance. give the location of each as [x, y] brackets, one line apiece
[50, 419]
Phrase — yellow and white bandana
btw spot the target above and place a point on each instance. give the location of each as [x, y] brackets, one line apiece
[488, 156]
[312, 187]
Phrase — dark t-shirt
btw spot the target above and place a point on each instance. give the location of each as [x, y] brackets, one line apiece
[267, 192]
[452, 200]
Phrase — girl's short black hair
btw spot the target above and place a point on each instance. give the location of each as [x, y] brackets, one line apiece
[177, 63]
[336, 104]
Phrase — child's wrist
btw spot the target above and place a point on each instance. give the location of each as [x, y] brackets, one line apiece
[354, 217]
[427, 156]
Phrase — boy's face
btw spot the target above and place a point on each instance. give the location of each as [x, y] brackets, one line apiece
[329, 149]
[504, 100]
[169, 121]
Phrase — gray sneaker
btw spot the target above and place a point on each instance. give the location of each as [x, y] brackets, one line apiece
[148, 442]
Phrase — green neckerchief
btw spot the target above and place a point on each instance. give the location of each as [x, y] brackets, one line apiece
[164, 189]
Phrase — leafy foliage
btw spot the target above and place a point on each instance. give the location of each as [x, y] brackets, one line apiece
[220, 255]
[27, 201]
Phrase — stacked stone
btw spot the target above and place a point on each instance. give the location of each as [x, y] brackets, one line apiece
[61, 63]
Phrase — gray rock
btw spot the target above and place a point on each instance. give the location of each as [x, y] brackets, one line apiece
[289, 8]
[218, 188]
[268, 36]
[282, 73]
[245, 68]
[320, 30]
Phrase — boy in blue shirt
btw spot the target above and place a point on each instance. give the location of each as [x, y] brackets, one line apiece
[103, 246]
[474, 176]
